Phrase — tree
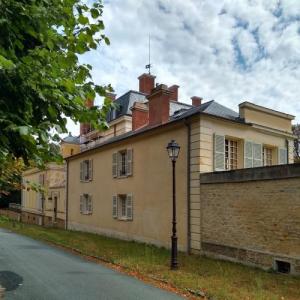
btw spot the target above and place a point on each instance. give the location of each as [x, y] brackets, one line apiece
[296, 132]
[41, 80]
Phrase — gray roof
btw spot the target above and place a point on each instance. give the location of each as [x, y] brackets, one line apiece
[124, 103]
[71, 139]
[176, 106]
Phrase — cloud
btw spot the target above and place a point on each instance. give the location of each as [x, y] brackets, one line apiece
[230, 51]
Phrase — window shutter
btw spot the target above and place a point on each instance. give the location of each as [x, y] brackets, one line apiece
[257, 155]
[90, 204]
[119, 163]
[81, 171]
[115, 206]
[219, 152]
[90, 169]
[81, 204]
[282, 156]
[248, 155]
[129, 160]
[115, 164]
[129, 206]
[41, 179]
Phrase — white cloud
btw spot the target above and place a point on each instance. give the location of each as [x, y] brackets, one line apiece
[227, 50]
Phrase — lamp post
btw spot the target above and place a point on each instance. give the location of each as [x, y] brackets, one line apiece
[173, 151]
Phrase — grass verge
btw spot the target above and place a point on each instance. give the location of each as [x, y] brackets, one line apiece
[218, 280]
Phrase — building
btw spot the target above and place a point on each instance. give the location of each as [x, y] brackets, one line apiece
[47, 206]
[119, 184]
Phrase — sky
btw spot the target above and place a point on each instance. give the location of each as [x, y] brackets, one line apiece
[230, 51]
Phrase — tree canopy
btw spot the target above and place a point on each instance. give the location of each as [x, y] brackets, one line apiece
[41, 79]
[296, 131]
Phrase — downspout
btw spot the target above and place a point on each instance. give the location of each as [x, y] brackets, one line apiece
[67, 194]
[188, 125]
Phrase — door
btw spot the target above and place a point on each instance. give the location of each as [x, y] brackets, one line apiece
[55, 199]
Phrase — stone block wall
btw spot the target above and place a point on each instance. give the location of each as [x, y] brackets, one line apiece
[252, 215]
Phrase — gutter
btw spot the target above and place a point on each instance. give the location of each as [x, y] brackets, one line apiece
[188, 125]
[67, 194]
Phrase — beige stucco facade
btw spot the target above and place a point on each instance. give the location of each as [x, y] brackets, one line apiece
[150, 186]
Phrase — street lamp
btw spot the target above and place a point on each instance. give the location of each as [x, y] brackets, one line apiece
[173, 151]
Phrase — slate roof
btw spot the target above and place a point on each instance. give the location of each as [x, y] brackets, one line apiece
[70, 139]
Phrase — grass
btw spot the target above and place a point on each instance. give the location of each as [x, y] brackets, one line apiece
[217, 279]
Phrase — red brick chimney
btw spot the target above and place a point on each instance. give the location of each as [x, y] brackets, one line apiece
[146, 83]
[86, 127]
[196, 101]
[174, 90]
[159, 105]
[140, 115]
[111, 96]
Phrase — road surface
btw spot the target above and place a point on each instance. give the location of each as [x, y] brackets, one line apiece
[32, 270]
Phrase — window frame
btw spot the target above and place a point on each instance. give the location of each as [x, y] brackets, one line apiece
[265, 158]
[228, 154]
[122, 206]
[86, 204]
[122, 163]
[86, 170]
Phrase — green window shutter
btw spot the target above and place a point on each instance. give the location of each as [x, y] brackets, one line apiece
[129, 207]
[81, 171]
[282, 156]
[219, 155]
[115, 164]
[129, 160]
[90, 170]
[115, 206]
[81, 204]
[257, 155]
[248, 154]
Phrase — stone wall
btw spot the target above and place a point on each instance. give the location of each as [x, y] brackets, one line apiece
[13, 215]
[252, 215]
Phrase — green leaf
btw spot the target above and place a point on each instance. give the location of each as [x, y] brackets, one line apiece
[6, 63]
[95, 13]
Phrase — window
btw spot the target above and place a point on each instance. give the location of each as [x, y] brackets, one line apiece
[122, 207]
[86, 205]
[267, 156]
[72, 151]
[122, 163]
[86, 170]
[231, 157]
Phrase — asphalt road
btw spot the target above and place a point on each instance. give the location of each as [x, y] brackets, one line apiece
[32, 270]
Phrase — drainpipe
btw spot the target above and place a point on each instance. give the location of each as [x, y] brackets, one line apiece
[188, 125]
[67, 194]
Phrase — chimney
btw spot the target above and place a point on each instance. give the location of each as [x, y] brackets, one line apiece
[196, 101]
[174, 90]
[146, 83]
[159, 105]
[140, 115]
[111, 96]
[86, 127]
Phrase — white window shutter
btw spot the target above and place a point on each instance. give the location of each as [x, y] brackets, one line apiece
[248, 154]
[90, 169]
[115, 164]
[119, 163]
[282, 156]
[90, 204]
[219, 152]
[81, 171]
[115, 206]
[129, 162]
[257, 155]
[129, 207]
[81, 204]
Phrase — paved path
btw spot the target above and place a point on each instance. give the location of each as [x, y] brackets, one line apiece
[33, 270]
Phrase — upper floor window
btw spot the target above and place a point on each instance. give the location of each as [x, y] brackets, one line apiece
[231, 154]
[122, 163]
[86, 170]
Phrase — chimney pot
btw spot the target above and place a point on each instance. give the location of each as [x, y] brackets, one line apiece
[196, 101]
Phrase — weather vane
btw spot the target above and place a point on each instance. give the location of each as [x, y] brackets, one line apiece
[149, 65]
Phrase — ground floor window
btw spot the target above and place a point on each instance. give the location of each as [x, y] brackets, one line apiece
[86, 204]
[122, 207]
[231, 154]
[267, 156]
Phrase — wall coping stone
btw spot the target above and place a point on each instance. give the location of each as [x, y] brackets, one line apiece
[252, 174]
